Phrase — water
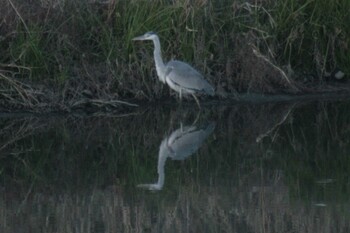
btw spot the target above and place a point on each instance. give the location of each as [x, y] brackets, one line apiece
[273, 167]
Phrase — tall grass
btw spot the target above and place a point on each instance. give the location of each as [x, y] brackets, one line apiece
[313, 33]
[238, 45]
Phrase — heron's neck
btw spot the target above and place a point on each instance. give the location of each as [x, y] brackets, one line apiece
[162, 157]
[160, 170]
[158, 60]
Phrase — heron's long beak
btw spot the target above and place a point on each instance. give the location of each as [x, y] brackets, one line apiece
[139, 38]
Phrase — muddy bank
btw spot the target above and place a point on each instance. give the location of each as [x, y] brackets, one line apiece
[34, 105]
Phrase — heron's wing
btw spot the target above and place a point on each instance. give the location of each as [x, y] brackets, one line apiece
[186, 143]
[186, 77]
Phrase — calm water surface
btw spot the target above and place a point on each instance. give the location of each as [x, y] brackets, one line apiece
[276, 167]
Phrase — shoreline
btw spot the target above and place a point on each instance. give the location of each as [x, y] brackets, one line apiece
[124, 107]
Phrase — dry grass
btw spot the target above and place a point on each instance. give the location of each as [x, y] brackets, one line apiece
[76, 51]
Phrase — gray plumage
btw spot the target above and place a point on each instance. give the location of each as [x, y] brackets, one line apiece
[183, 76]
[179, 145]
[179, 75]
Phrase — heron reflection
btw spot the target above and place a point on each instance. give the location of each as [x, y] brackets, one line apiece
[178, 146]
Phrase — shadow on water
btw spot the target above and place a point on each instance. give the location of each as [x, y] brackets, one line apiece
[271, 167]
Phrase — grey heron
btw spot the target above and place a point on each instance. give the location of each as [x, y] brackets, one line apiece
[179, 75]
[181, 143]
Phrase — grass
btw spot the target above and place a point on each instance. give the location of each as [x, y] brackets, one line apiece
[314, 30]
[83, 50]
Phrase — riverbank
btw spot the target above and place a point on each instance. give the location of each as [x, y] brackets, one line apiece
[59, 55]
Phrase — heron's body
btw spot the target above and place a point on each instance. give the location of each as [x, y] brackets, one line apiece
[180, 76]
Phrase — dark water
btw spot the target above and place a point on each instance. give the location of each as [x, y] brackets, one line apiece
[278, 167]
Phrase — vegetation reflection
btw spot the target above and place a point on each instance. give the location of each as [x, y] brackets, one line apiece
[272, 167]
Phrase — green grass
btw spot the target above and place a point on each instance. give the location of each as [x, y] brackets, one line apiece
[313, 32]
[78, 45]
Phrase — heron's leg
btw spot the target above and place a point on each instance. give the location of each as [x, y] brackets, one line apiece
[199, 106]
[197, 117]
[180, 94]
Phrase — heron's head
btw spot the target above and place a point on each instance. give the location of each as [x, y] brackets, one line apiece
[146, 36]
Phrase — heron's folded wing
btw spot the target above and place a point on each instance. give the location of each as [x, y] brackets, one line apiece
[187, 77]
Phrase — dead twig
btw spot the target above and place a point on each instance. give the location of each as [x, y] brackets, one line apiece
[19, 129]
[26, 95]
[283, 74]
[100, 103]
[19, 15]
